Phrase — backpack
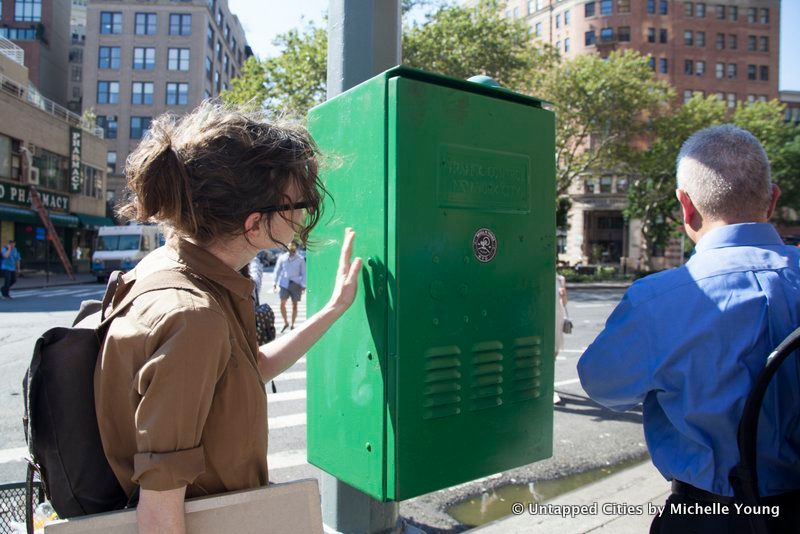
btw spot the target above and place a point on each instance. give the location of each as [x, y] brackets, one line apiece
[60, 422]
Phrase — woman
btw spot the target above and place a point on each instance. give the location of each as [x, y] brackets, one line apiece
[179, 386]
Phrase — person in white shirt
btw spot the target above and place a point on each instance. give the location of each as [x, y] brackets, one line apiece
[290, 276]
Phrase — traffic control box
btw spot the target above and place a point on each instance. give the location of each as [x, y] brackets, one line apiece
[442, 370]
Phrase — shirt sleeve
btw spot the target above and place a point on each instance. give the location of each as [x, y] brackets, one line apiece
[189, 351]
[278, 269]
[616, 369]
[303, 272]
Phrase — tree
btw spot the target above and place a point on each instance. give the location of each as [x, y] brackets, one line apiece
[462, 41]
[249, 88]
[601, 106]
[651, 189]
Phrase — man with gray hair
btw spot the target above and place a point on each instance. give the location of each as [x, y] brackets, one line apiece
[688, 343]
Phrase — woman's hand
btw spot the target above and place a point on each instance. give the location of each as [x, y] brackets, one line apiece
[344, 290]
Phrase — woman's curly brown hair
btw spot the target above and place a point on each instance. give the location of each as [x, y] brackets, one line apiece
[204, 173]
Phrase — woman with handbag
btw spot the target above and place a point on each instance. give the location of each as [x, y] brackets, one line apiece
[179, 384]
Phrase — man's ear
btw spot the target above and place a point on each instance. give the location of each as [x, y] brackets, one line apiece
[687, 206]
[776, 194]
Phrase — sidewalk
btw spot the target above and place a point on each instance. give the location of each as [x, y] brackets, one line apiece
[39, 279]
[618, 504]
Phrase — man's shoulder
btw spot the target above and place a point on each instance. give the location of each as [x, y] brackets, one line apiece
[659, 285]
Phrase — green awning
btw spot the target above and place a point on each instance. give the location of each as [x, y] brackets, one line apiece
[11, 213]
[93, 221]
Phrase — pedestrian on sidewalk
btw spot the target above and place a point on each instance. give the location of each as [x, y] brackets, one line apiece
[688, 343]
[290, 276]
[179, 383]
[10, 266]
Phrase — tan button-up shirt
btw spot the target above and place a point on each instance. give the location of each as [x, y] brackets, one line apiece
[179, 398]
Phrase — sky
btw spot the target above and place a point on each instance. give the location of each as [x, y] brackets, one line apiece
[263, 20]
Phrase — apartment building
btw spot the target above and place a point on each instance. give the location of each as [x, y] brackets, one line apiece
[42, 29]
[67, 162]
[77, 42]
[727, 48]
[142, 59]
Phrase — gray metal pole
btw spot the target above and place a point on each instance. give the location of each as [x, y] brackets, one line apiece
[363, 40]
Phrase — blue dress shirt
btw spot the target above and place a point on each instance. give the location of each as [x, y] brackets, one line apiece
[290, 268]
[689, 343]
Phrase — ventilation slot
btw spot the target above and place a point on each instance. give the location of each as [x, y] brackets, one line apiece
[527, 369]
[486, 388]
[442, 391]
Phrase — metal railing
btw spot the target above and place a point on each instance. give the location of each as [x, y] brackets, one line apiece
[32, 96]
[12, 51]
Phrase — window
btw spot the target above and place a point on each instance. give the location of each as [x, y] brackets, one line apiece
[144, 58]
[177, 94]
[76, 75]
[733, 41]
[733, 13]
[720, 41]
[233, 44]
[110, 22]
[606, 7]
[688, 38]
[605, 187]
[217, 81]
[700, 10]
[719, 71]
[531, 8]
[566, 44]
[589, 38]
[651, 35]
[19, 34]
[139, 126]
[589, 185]
[145, 24]
[763, 73]
[623, 6]
[516, 12]
[227, 34]
[662, 36]
[210, 36]
[111, 163]
[226, 63]
[93, 182]
[606, 35]
[537, 30]
[180, 24]
[662, 7]
[700, 39]
[763, 44]
[178, 59]
[720, 9]
[751, 15]
[688, 9]
[731, 100]
[28, 10]
[751, 72]
[108, 57]
[732, 71]
[566, 18]
[651, 7]
[652, 62]
[558, 45]
[624, 34]
[220, 18]
[663, 65]
[108, 124]
[700, 68]
[588, 9]
[142, 93]
[209, 65]
[558, 20]
[218, 51]
[108, 92]
[751, 43]
[687, 95]
[764, 16]
[688, 67]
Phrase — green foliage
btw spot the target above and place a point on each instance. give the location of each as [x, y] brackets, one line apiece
[248, 89]
[463, 41]
[601, 109]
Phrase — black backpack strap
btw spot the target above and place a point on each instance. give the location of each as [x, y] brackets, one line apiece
[744, 475]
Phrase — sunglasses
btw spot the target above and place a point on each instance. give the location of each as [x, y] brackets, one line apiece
[286, 207]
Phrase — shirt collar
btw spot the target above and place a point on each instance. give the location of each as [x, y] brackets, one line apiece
[209, 266]
[737, 235]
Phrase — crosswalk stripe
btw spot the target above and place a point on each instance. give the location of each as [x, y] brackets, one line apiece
[298, 394]
[285, 459]
[296, 375]
[13, 455]
[567, 382]
[287, 421]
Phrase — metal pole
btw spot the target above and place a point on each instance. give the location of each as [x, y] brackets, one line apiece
[363, 41]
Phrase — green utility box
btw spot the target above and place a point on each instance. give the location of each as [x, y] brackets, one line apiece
[442, 370]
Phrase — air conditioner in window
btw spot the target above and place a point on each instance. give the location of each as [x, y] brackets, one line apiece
[33, 178]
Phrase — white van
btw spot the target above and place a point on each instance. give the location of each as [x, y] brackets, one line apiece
[119, 248]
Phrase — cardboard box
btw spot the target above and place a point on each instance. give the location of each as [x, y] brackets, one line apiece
[291, 508]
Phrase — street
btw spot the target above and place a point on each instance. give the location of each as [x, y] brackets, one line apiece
[586, 435]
